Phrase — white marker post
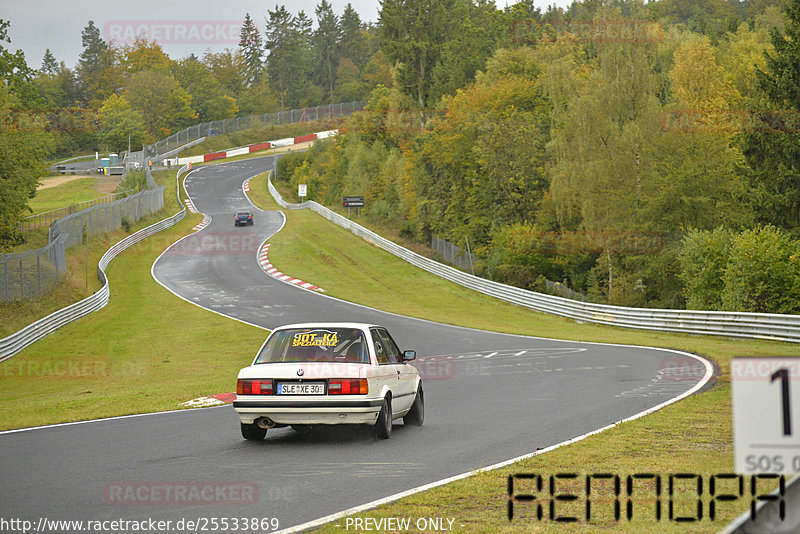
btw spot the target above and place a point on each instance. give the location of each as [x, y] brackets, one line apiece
[302, 190]
[766, 415]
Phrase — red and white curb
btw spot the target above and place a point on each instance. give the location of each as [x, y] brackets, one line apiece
[247, 185]
[205, 222]
[275, 273]
[213, 400]
[249, 149]
[190, 205]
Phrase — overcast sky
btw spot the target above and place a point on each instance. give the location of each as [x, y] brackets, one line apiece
[182, 27]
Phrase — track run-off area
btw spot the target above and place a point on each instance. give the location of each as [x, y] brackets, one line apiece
[490, 397]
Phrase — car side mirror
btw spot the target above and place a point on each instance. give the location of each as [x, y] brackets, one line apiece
[409, 355]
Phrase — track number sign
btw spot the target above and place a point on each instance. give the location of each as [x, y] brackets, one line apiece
[766, 415]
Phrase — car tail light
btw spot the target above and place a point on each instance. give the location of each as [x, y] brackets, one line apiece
[254, 387]
[347, 386]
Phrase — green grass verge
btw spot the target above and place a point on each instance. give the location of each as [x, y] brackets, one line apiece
[66, 194]
[692, 436]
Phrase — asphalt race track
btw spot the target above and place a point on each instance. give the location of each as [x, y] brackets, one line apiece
[489, 397]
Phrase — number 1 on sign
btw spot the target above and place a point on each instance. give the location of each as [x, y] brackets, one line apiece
[783, 374]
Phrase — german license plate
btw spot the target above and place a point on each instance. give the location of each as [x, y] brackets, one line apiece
[308, 388]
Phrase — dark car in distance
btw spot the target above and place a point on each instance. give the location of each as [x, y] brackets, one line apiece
[243, 218]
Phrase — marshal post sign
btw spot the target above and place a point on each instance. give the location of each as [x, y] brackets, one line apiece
[353, 202]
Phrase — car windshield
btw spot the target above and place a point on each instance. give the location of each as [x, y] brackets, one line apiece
[243, 214]
[315, 345]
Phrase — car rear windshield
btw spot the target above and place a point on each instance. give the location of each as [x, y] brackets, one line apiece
[243, 214]
[315, 345]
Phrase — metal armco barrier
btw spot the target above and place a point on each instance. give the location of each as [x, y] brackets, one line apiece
[717, 323]
[21, 339]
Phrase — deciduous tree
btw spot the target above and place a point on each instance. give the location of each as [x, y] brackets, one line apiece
[120, 126]
[165, 106]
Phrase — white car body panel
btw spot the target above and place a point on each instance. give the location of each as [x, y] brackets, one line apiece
[401, 380]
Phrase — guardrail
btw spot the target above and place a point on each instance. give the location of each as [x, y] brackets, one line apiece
[11, 345]
[717, 323]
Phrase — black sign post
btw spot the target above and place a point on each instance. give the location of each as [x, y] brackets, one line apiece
[353, 202]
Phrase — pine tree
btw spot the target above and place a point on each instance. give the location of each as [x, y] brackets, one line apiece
[49, 63]
[325, 42]
[352, 43]
[774, 156]
[252, 50]
[413, 33]
[93, 47]
[280, 41]
[288, 39]
[94, 59]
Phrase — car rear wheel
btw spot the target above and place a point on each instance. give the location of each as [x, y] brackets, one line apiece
[416, 415]
[383, 426]
[253, 432]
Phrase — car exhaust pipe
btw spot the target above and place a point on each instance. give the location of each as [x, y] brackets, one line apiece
[265, 422]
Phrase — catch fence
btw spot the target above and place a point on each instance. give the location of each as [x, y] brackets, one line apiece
[47, 217]
[453, 254]
[225, 126]
[34, 272]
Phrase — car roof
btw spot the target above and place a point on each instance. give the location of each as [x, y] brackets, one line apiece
[361, 326]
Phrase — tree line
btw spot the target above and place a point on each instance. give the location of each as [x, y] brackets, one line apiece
[641, 154]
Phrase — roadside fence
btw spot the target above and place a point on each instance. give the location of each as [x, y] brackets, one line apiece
[11, 345]
[47, 217]
[453, 254]
[34, 272]
[108, 217]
